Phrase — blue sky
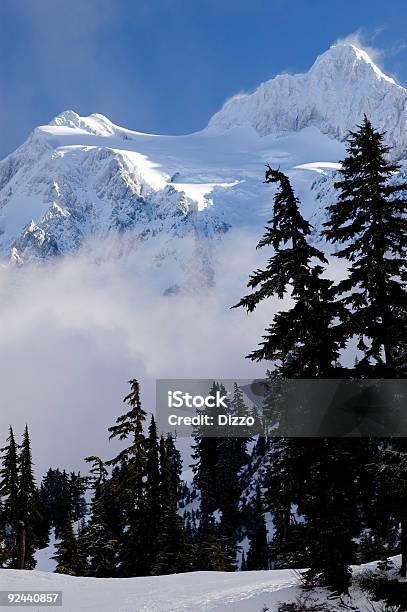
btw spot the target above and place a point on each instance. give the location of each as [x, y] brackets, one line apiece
[166, 66]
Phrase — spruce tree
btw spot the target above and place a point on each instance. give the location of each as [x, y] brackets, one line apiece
[211, 555]
[57, 499]
[231, 458]
[77, 494]
[289, 465]
[131, 462]
[99, 538]
[301, 340]
[153, 502]
[369, 221]
[258, 554]
[175, 547]
[9, 493]
[330, 499]
[29, 518]
[67, 553]
[304, 342]
[205, 455]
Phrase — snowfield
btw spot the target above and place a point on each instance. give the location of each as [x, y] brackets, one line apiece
[194, 592]
[241, 591]
[85, 177]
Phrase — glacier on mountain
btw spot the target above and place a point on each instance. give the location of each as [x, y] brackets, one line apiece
[83, 178]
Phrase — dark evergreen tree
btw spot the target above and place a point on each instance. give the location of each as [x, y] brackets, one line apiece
[77, 489]
[211, 555]
[205, 455]
[56, 500]
[9, 493]
[330, 500]
[100, 536]
[29, 518]
[131, 462]
[231, 459]
[175, 547]
[258, 554]
[98, 471]
[289, 463]
[301, 340]
[369, 220]
[153, 502]
[67, 553]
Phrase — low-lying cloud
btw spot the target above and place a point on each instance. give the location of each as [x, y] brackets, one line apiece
[73, 333]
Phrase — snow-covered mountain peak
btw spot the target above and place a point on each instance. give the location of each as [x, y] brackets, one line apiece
[81, 178]
[341, 87]
[96, 124]
[348, 61]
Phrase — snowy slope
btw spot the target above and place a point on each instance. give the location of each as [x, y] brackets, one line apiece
[82, 178]
[243, 591]
[193, 592]
[66, 183]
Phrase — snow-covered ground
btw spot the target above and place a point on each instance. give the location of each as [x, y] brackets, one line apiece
[242, 591]
[193, 592]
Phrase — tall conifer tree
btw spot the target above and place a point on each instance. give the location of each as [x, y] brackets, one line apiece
[301, 340]
[131, 462]
[175, 548]
[369, 222]
[100, 537]
[67, 553]
[153, 501]
[258, 554]
[9, 493]
[29, 518]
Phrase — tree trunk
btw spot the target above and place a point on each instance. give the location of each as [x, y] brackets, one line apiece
[21, 547]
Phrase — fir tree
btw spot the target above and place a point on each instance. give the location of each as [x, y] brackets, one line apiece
[56, 500]
[369, 220]
[284, 481]
[98, 471]
[77, 490]
[205, 455]
[301, 340]
[29, 518]
[175, 547]
[153, 502]
[230, 460]
[131, 462]
[330, 500]
[9, 492]
[258, 554]
[67, 553]
[211, 555]
[100, 537]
